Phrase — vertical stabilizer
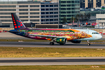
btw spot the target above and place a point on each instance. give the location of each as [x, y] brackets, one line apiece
[17, 23]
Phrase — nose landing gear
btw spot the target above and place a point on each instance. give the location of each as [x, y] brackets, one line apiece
[88, 43]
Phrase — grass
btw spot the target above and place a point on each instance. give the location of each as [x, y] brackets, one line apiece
[71, 67]
[50, 52]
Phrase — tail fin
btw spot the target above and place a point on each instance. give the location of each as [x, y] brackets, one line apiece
[17, 23]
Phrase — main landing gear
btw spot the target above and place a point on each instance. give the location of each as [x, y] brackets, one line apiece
[88, 43]
[60, 41]
[52, 41]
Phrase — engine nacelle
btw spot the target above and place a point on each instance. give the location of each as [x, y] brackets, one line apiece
[75, 41]
[61, 41]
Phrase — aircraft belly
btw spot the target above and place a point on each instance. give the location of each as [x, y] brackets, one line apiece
[41, 38]
[86, 39]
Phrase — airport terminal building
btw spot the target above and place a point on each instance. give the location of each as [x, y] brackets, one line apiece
[39, 11]
[34, 11]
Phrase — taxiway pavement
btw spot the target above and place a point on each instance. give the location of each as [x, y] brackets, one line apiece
[48, 61]
[46, 44]
[53, 61]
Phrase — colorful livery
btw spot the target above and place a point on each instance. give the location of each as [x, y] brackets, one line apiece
[60, 36]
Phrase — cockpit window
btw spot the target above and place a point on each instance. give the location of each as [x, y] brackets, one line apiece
[95, 33]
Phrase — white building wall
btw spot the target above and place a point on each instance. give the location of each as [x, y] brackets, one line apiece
[100, 19]
[5, 12]
[100, 15]
[30, 13]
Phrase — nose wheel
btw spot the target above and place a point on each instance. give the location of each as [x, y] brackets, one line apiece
[88, 43]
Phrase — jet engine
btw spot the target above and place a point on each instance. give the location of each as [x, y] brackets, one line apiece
[61, 41]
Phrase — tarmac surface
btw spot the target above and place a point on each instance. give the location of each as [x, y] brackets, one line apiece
[49, 60]
[8, 35]
[53, 61]
[46, 44]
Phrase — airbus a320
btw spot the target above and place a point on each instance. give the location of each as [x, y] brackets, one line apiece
[60, 36]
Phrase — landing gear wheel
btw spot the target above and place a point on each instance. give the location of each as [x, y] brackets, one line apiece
[51, 43]
[89, 44]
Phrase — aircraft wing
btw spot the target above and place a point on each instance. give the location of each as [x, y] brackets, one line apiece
[47, 36]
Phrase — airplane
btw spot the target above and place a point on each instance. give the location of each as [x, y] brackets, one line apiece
[60, 36]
